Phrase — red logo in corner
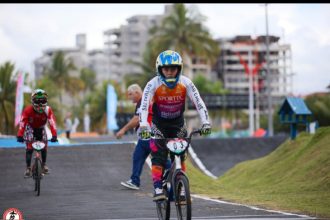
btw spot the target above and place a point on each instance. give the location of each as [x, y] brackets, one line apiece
[12, 214]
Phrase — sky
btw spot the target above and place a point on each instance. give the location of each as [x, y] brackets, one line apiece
[26, 30]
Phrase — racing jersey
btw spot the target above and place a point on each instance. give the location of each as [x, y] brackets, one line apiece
[169, 104]
[37, 120]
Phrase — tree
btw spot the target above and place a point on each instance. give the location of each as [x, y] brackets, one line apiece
[7, 97]
[88, 76]
[59, 72]
[97, 100]
[182, 31]
[148, 69]
[319, 104]
[208, 86]
[51, 88]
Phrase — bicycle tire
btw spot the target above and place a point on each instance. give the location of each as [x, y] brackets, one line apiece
[164, 207]
[183, 207]
[37, 176]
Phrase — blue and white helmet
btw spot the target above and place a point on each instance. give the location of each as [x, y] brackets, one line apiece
[169, 58]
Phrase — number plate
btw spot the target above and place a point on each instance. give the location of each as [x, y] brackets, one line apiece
[177, 145]
[38, 145]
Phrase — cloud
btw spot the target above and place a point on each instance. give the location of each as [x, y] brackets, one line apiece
[28, 29]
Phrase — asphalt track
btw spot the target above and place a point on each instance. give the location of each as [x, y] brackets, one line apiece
[84, 183]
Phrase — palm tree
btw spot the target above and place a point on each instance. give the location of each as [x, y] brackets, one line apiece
[183, 32]
[59, 72]
[88, 76]
[148, 69]
[206, 86]
[52, 91]
[7, 97]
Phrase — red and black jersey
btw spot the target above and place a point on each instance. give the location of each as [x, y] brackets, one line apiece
[37, 120]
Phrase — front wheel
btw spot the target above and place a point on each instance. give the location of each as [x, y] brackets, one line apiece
[164, 207]
[182, 197]
[37, 174]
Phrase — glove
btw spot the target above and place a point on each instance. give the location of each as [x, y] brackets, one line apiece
[20, 139]
[145, 133]
[54, 139]
[206, 129]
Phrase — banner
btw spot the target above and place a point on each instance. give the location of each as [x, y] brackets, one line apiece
[19, 97]
[111, 108]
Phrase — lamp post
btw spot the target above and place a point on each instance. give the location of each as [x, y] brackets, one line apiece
[268, 77]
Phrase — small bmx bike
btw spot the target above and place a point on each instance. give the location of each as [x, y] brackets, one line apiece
[176, 182]
[37, 172]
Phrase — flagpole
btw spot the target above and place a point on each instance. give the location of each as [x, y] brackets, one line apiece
[251, 103]
[268, 77]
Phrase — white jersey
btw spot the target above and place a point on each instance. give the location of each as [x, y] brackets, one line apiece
[169, 104]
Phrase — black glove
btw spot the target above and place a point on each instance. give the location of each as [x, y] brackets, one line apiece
[54, 139]
[20, 139]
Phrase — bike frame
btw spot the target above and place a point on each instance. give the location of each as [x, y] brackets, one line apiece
[37, 164]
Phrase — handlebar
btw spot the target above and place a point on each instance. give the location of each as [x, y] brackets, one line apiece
[189, 136]
[26, 141]
[197, 131]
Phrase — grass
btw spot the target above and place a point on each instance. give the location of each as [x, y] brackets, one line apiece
[293, 178]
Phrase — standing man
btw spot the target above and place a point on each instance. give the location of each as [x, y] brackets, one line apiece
[68, 125]
[142, 149]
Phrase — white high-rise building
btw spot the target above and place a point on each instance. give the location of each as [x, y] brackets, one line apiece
[128, 42]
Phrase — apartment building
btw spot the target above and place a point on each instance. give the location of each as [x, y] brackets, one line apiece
[129, 41]
[251, 52]
[95, 59]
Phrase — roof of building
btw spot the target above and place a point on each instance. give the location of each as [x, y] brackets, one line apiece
[295, 105]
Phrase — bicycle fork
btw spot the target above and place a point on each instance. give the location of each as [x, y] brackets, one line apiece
[37, 157]
[177, 171]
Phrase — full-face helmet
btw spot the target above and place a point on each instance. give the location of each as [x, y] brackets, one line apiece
[169, 58]
[39, 100]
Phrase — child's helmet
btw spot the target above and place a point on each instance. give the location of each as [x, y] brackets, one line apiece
[39, 100]
[169, 58]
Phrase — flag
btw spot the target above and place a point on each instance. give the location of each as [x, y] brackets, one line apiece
[111, 108]
[19, 97]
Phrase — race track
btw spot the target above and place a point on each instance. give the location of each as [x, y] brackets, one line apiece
[84, 183]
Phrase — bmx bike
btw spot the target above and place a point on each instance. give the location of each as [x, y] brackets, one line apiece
[175, 182]
[37, 173]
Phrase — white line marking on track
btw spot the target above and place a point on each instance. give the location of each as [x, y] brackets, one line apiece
[251, 207]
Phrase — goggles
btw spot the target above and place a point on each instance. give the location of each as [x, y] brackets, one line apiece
[40, 101]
